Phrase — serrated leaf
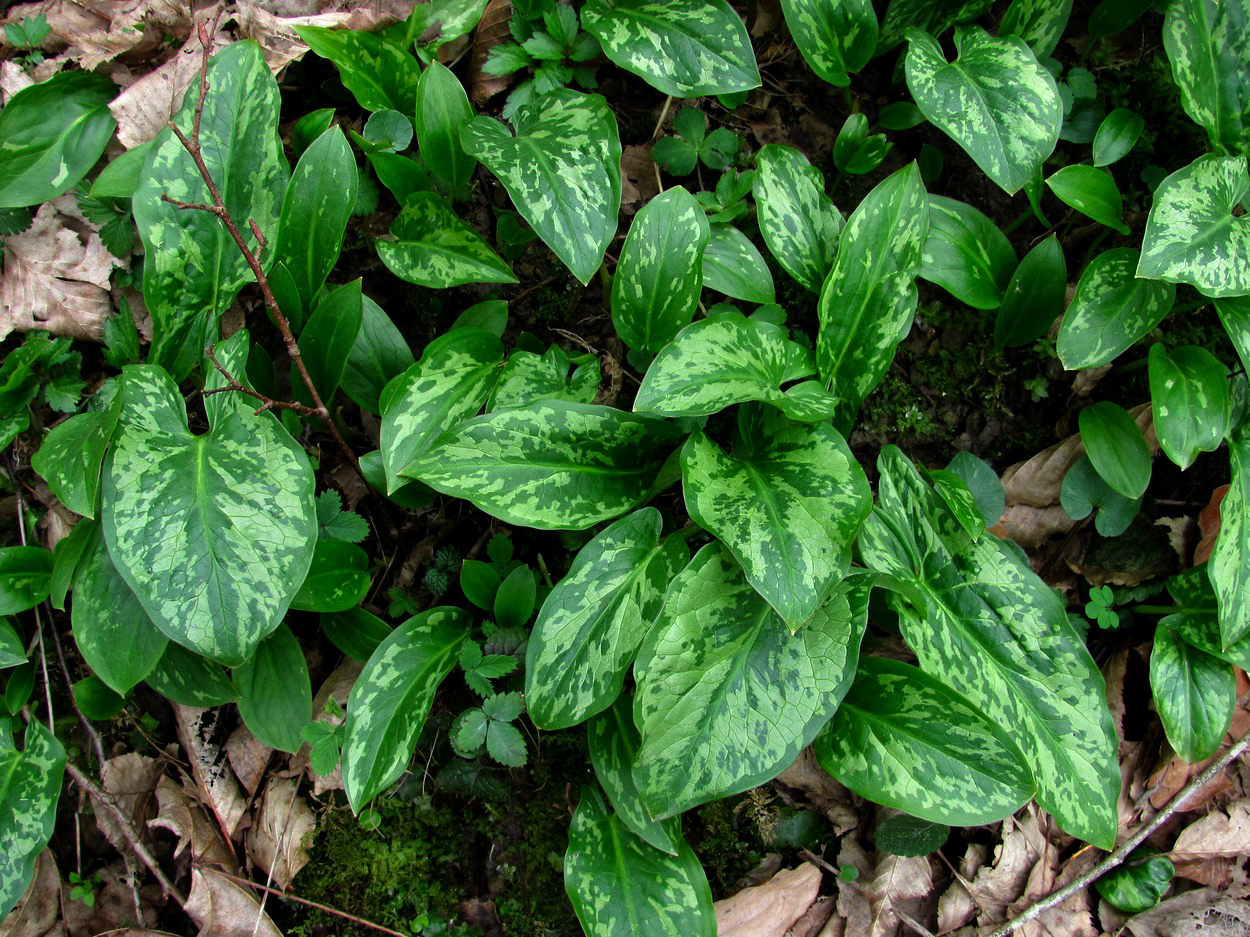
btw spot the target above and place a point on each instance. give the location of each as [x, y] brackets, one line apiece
[1090, 191]
[981, 620]
[503, 706]
[966, 254]
[552, 465]
[72, 454]
[994, 100]
[275, 692]
[493, 666]
[685, 48]
[434, 248]
[621, 886]
[212, 533]
[1205, 41]
[468, 732]
[30, 785]
[442, 109]
[1040, 23]
[1111, 310]
[562, 171]
[188, 679]
[787, 504]
[506, 744]
[869, 298]
[1190, 404]
[905, 739]
[613, 741]
[727, 696]
[113, 632]
[51, 134]
[734, 266]
[1034, 297]
[193, 270]
[1194, 692]
[835, 37]
[798, 221]
[1229, 567]
[380, 74]
[1116, 447]
[447, 385]
[1193, 234]
[594, 620]
[393, 695]
[658, 279]
[729, 359]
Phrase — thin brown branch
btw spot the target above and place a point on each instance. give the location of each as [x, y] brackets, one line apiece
[1126, 848]
[363, 922]
[92, 734]
[233, 386]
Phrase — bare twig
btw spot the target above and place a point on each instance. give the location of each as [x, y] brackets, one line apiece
[1057, 898]
[363, 922]
[218, 207]
[233, 385]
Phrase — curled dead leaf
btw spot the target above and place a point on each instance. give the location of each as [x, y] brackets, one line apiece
[179, 812]
[38, 913]
[222, 908]
[131, 780]
[1199, 913]
[492, 30]
[218, 787]
[248, 757]
[279, 839]
[770, 909]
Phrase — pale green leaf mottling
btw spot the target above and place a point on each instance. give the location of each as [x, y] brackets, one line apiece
[1111, 310]
[799, 223]
[434, 248]
[1229, 567]
[836, 37]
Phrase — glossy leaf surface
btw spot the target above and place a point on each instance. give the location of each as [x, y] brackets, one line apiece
[1111, 310]
[1116, 447]
[621, 886]
[730, 359]
[30, 785]
[1034, 297]
[275, 693]
[593, 621]
[1230, 563]
[734, 266]
[562, 171]
[442, 109]
[186, 678]
[799, 223]
[787, 503]
[380, 74]
[378, 355]
[1040, 23]
[659, 278]
[434, 248]
[685, 48]
[966, 254]
[1194, 692]
[727, 696]
[1117, 135]
[1090, 191]
[869, 299]
[836, 37]
[933, 16]
[337, 579]
[994, 100]
[906, 740]
[1206, 43]
[392, 696]
[551, 465]
[981, 620]
[25, 578]
[1190, 401]
[71, 456]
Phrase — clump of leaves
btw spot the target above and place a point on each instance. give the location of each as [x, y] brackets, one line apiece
[29, 34]
[728, 201]
[438, 577]
[40, 364]
[549, 41]
[325, 739]
[681, 154]
[479, 669]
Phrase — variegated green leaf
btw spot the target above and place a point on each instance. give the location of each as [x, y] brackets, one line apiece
[434, 248]
[71, 456]
[1111, 310]
[623, 887]
[1229, 568]
[393, 695]
[836, 37]
[1194, 692]
[1190, 403]
[447, 386]
[799, 223]
[442, 109]
[315, 210]
[981, 620]
[966, 254]
[1206, 43]
[212, 533]
[1234, 315]
[656, 288]
[562, 171]
[904, 739]
[734, 266]
[113, 632]
[553, 465]
[192, 268]
[727, 696]
[30, 785]
[685, 48]
[994, 100]
[186, 678]
[933, 16]
[593, 621]
[1193, 234]
[787, 504]
[613, 741]
[869, 299]
[1040, 23]
[729, 359]
[380, 74]
[275, 692]
[527, 377]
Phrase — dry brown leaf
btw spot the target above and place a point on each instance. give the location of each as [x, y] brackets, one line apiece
[817, 788]
[92, 32]
[272, 23]
[640, 179]
[221, 908]
[179, 812]
[131, 780]
[492, 30]
[12, 80]
[1198, 913]
[1209, 525]
[771, 909]
[56, 275]
[1036, 481]
[248, 757]
[897, 888]
[218, 787]
[114, 905]
[814, 919]
[38, 913]
[1221, 833]
[280, 838]
[956, 907]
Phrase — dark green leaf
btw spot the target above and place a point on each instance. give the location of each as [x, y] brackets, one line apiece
[933, 16]
[1116, 448]
[275, 693]
[1083, 490]
[96, 700]
[25, 578]
[378, 355]
[188, 679]
[514, 599]
[1117, 135]
[120, 178]
[327, 340]
[835, 39]
[855, 151]
[12, 653]
[72, 454]
[1090, 191]
[733, 265]
[1040, 23]
[355, 632]
[1194, 692]
[908, 836]
[1205, 41]
[1230, 563]
[66, 556]
[30, 785]
[966, 254]
[479, 582]
[389, 130]
[442, 109]
[378, 72]
[1034, 297]
[337, 579]
[1137, 885]
[1191, 407]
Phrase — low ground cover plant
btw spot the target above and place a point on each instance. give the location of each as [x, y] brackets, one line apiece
[731, 561]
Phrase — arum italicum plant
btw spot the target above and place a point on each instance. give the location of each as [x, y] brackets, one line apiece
[710, 628]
